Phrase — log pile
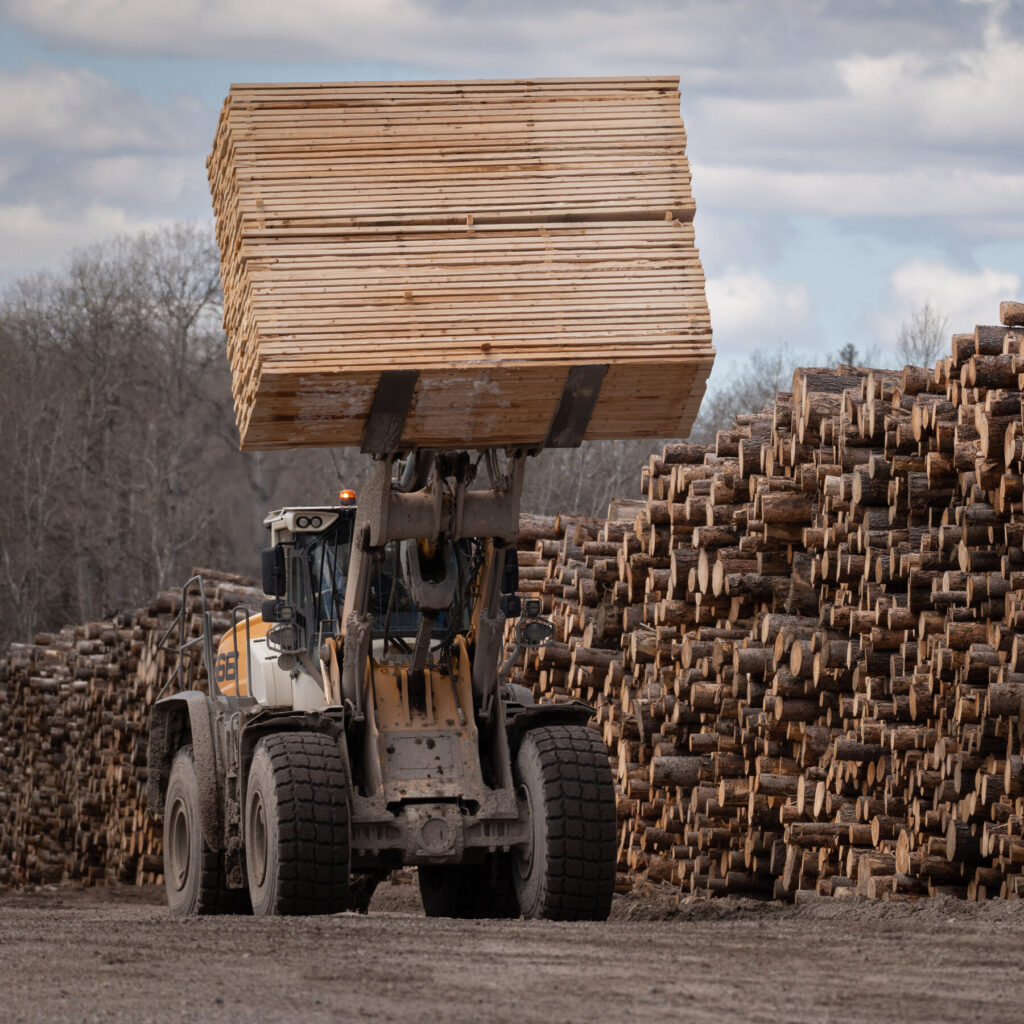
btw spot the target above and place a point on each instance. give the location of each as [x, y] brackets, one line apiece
[805, 642]
[73, 733]
[489, 235]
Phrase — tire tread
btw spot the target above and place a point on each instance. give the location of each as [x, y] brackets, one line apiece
[581, 834]
[213, 895]
[309, 773]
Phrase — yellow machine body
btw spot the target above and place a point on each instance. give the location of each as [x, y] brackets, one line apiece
[423, 740]
[231, 663]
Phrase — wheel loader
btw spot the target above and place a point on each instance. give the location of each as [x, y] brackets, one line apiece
[363, 721]
[448, 275]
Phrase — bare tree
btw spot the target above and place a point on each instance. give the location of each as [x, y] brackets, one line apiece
[35, 518]
[118, 447]
[923, 336]
[751, 389]
[847, 355]
[850, 355]
[585, 479]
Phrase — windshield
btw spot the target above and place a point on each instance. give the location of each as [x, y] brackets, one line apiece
[328, 555]
[390, 603]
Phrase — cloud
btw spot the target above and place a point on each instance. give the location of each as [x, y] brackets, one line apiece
[973, 93]
[140, 179]
[35, 236]
[747, 309]
[966, 297]
[261, 29]
[797, 85]
[914, 192]
[899, 119]
[82, 158]
[720, 39]
[10, 165]
[74, 110]
[881, 111]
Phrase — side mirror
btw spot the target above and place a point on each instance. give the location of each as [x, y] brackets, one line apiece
[511, 606]
[534, 632]
[271, 610]
[274, 578]
[284, 638]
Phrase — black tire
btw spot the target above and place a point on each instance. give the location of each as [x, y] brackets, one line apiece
[297, 828]
[469, 890]
[567, 871]
[193, 873]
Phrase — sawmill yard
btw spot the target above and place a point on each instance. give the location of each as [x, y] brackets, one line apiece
[810, 680]
[112, 955]
[799, 636]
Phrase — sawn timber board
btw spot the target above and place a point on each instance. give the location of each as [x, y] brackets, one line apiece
[491, 235]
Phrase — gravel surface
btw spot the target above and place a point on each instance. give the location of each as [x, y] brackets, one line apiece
[102, 955]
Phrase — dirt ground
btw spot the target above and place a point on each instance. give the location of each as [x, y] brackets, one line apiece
[68, 954]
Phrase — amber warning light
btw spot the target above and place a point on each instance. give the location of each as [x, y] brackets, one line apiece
[347, 495]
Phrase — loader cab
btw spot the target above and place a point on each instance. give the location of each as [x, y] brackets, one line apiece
[305, 573]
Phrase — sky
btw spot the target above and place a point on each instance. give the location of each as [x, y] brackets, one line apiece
[852, 159]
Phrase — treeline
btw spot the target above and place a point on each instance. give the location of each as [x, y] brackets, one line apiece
[119, 452]
[751, 387]
[118, 447]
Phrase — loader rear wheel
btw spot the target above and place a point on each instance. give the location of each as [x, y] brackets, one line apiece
[193, 872]
[297, 826]
[566, 871]
[469, 890]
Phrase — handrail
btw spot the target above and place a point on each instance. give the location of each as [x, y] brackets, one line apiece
[183, 670]
[248, 646]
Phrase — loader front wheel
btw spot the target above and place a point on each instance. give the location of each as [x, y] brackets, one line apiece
[469, 890]
[297, 827]
[193, 872]
[566, 870]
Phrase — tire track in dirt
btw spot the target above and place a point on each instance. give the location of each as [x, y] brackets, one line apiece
[112, 956]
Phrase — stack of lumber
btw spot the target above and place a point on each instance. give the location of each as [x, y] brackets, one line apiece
[490, 235]
[806, 642]
[74, 720]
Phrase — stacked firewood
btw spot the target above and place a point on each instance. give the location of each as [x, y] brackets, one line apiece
[803, 643]
[74, 718]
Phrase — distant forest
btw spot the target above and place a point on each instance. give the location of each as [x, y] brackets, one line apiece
[118, 446]
[119, 450]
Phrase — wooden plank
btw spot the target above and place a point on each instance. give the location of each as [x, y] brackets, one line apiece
[490, 235]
